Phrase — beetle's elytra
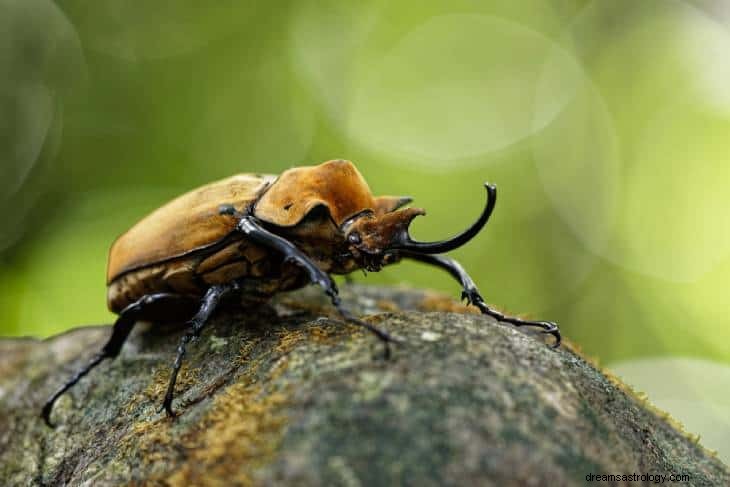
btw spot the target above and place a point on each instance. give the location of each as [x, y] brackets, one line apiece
[254, 235]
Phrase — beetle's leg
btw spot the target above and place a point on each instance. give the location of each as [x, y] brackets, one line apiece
[250, 227]
[472, 296]
[381, 334]
[126, 320]
[207, 305]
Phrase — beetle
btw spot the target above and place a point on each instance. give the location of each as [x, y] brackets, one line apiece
[251, 236]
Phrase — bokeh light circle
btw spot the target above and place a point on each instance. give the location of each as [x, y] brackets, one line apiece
[451, 89]
[642, 181]
[42, 61]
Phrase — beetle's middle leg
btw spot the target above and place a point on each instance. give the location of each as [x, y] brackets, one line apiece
[472, 295]
[208, 304]
[249, 226]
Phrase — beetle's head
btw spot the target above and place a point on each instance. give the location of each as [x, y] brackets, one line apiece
[370, 237]
[375, 239]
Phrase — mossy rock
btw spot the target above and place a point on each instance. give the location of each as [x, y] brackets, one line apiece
[287, 394]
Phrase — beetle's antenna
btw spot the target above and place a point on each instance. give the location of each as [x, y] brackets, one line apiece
[404, 241]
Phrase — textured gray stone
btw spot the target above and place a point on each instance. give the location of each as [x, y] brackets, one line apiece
[277, 396]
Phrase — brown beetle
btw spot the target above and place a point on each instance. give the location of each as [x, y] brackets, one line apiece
[256, 235]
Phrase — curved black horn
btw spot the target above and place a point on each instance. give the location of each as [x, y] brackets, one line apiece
[404, 241]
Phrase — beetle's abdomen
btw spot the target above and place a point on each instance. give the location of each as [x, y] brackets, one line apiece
[261, 271]
[176, 277]
[239, 259]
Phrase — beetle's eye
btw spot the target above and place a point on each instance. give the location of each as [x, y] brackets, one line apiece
[354, 238]
[226, 209]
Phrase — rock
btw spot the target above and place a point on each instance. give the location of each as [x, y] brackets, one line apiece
[282, 396]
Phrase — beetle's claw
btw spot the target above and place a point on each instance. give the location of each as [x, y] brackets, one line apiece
[386, 351]
[552, 329]
[387, 339]
[168, 408]
[548, 327]
[167, 405]
[46, 415]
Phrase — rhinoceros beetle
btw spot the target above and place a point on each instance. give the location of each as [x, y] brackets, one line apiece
[256, 235]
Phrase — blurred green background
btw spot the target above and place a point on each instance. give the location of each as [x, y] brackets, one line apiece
[605, 125]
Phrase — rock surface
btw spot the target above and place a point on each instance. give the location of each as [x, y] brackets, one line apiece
[276, 396]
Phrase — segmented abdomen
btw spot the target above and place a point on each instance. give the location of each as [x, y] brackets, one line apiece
[260, 271]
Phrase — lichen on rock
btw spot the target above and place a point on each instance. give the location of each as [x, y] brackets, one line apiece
[288, 394]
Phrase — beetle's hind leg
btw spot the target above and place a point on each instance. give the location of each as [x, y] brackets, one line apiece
[207, 305]
[145, 307]
[472, 295]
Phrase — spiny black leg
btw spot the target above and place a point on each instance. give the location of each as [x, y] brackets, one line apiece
[120, 332]
[472, 296]
[249, 226]
[207, 305]
[548, 327]
[48, 406]
[381, 334]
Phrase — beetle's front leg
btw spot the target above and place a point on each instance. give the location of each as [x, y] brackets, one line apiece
[250, 227]
[472, 296]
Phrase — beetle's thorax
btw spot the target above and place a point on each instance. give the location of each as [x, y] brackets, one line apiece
[323, 242]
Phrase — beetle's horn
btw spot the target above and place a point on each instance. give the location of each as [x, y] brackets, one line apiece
[404, 241]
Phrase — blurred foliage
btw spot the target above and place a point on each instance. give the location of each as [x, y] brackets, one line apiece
[605, 125]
